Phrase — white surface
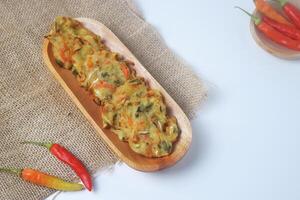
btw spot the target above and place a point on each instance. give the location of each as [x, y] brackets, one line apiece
[246, 139]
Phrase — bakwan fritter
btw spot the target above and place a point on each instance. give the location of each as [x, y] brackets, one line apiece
[130, 108]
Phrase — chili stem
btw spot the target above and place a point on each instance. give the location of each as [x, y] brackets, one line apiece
[282, 2]
[42, 144]
[257, 20]
[12, 171]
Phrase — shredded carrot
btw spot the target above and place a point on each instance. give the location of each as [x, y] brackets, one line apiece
[64, 53]
[150, 93]
[135, 139]
[141, 125]
[125, 70]
[122, 97]
[107, 62]
[104, 84]
[90, 63]
[130, 122]
[102, 52]
[265, 8]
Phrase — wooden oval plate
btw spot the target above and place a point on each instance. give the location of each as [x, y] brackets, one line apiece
[267, 44]
[91, 110]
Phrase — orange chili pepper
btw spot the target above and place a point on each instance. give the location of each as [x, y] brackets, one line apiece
[42, 179]
[265, 8]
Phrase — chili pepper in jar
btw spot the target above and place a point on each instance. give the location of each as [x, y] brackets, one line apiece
[265, 8]
[289, 31]
[42, 179]
[68, 158]
[291, 11]
[273, 34]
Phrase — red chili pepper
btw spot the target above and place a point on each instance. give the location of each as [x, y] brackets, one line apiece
[291, 11]
[290, 31]
[42, 179]
[67, 157]
[273, 34]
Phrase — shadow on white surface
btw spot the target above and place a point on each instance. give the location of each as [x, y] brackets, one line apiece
[199, 149]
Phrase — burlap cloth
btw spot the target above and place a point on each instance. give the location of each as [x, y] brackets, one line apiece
[33, 106]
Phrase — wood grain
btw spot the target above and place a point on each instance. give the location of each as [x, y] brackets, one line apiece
[267, 44]
[91, 111]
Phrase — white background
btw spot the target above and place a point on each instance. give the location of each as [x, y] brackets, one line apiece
[246, 138]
